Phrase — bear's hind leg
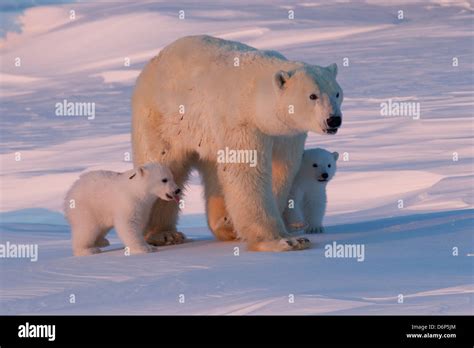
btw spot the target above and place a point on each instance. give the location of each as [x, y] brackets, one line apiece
[218, 219]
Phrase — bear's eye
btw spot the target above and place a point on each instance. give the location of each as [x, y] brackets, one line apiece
[315, 165]
[337, 95]
[164, 180]
[313, 96]
[329, 165]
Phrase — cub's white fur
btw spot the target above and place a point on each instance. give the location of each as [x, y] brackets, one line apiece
[308, 192]
[100, 200]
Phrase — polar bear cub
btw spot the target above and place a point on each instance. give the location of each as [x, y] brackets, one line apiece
[100, 200]
[308, 192]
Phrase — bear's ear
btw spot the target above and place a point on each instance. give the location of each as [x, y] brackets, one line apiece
[332, 69]
[335, 155]
[280, 79]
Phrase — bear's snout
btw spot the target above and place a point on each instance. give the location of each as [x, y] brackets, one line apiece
[325, 175]
[334, 121]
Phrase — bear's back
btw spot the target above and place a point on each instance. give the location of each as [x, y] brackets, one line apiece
[207, 49]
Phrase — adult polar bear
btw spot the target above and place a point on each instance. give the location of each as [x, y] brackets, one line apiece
[192, 100]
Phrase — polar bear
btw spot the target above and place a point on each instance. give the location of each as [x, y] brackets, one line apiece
[201, 95]
[308, 196]
[100, 200]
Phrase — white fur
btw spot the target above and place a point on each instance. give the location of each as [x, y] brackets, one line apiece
[243, 107]
[308, 192]
[105, 199]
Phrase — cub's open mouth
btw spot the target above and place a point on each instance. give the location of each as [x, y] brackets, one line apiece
[174, 197]
[322, 180]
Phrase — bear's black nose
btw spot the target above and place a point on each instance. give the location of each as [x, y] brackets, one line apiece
[177, 192]
[325, 175]
[334, 121]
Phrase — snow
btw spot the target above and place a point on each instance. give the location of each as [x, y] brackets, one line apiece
[408, 251]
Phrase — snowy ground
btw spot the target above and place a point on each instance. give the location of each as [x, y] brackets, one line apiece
[408, 251]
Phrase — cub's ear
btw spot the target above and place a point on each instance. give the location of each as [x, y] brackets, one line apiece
[332, 69]
[140, 171]
[335, 155]
[280, 79]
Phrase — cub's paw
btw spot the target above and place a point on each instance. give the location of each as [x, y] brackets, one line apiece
[165, 238]
[315, 229]
[86, 251]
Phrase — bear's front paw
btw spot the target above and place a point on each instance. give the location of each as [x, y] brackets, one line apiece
[165, 238]
[284, 244]
[315, 229]
[295, 244]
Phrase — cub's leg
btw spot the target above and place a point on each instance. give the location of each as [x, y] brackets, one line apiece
[314, 216]
[131, 234]
[84, 237]
[294, 214]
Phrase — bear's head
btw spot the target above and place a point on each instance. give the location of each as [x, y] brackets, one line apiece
[158, 180]
[319, 165]
[309, 99]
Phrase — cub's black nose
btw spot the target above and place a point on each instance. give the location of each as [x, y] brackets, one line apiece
[334, 121]
[325, 175]
[177, 192]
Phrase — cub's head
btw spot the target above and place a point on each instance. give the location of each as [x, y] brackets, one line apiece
[314, 95]
[158, 180]
[319, 164]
